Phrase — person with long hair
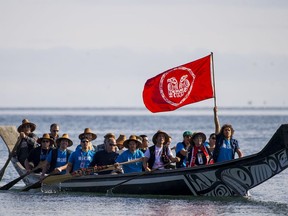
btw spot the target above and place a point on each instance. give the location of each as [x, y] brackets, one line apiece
[226, 146]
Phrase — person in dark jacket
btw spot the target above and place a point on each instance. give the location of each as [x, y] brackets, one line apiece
[27, 140]
[39, 154]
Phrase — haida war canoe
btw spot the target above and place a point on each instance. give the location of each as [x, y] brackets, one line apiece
[232, 178]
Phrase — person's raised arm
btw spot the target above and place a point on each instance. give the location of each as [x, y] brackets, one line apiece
[216, 120]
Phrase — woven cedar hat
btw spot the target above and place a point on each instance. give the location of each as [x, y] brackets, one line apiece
[109, 135]
[87, 131]
[25, 122]
[201, 134]
[132, 138]
[120, 140]
[64, 136]
[154, 139]
[45, 136]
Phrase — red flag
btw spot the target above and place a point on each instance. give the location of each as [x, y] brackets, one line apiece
[179, 86]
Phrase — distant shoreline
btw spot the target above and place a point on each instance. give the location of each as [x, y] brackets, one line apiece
[97, 111]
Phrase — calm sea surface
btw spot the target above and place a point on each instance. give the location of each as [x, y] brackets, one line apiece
[253, 129]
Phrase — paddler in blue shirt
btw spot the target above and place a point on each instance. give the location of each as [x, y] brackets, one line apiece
[80, 158]
[57, 159]
[132, 153]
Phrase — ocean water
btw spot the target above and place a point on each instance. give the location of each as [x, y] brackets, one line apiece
[253, 129]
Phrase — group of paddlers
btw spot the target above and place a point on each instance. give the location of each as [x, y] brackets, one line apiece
[49, 153]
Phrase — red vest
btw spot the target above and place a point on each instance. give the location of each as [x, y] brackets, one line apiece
[194, 153]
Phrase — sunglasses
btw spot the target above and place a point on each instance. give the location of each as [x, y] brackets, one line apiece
[26, 126]
[55, 130]
[111, 144]
[214, 138]
[45, 141]
[84, 141]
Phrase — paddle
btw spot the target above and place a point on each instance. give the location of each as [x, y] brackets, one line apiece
[60, 178]
[9, 158]
[10, 184]
[110, 191]
[36, 184]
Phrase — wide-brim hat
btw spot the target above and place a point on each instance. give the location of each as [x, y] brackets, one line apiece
[201, 134]
[64, 136]
[25, 122]
[132, 138]
[120, 140]
[109, 135]
[47, 137]
[87, 131]
[154, 138]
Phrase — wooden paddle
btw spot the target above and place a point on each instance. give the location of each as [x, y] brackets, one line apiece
[110, 191]
[60, 178]
[36, 184]
[10, 184]
[10, 136]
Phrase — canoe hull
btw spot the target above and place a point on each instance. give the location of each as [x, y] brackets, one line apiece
[231, 178]
[217, 180]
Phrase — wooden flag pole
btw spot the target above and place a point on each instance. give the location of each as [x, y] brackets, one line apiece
[216, 119]
[214, 87]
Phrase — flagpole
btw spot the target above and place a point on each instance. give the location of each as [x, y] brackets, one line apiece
[214, 87]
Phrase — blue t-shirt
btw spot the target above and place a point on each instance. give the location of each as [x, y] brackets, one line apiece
[127, 156]
[81, 159]
[226, 152]
[61, 159]
[206, 144]
[80, 147]
[180, 146]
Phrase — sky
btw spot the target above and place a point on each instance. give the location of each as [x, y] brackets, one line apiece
[93, 53]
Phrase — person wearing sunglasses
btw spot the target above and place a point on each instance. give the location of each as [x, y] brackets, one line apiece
[182, 149]
[107, 156]
[54, 132]
[80, 158]
[90, 136]
[57, 159]
[40, 153]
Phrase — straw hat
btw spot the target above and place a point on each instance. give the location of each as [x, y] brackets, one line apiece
[109, 135]
[132, 138]
[120, 140]
[201, 134]
[87, 131]
[26, 122]
[64, 136]
[45, 136]
[154, 138]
